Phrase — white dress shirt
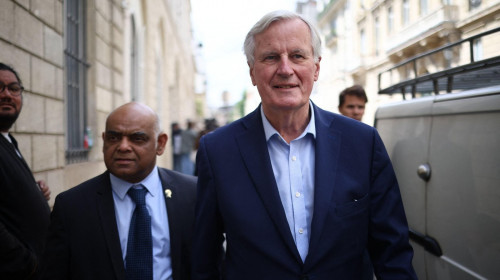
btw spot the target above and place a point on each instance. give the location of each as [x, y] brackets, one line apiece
[155, 203]
[293, 167]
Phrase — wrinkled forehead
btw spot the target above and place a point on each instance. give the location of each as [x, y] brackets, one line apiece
[288, 32]
[130, 121]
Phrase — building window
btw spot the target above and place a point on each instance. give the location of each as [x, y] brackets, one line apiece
[333, 27]
[134, 62]
[362, 41]
[390, 19]
[76, 82]
[406, 12]
[423, 7]
[473, 4]
[159, 82]
[477, 49]
[377, 36]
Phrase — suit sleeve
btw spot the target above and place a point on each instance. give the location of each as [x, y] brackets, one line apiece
[16, 260]
[55, 261]
[208, 233]
[20, 215]
[389, 246]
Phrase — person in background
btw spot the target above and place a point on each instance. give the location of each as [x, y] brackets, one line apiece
[352, 101]
[188, 137]
[295, 191]
[135, 220]
[210, 125]
[24, 211]
[176, 146]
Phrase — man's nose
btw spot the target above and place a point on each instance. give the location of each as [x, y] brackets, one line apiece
[5, 93]
[358, 110]
[285, 67]
[124, 144]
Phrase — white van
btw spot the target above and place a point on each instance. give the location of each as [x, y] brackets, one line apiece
[446, 154]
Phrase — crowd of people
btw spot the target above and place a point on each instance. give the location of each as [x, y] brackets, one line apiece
[289, 191]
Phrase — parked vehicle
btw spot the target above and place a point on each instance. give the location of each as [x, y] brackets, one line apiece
[445, 149]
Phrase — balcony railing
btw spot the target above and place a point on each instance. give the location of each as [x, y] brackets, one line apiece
[432, 21]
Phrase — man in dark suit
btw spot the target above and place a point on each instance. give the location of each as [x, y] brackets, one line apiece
[300, 193]
[24, 212]
[92, 225]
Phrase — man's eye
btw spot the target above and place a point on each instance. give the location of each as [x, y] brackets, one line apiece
[14, 88]
[139, 138]
[111, 137]
[270, 57]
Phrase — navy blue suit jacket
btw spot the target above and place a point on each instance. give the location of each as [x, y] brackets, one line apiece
[83, 241]
[357, 206]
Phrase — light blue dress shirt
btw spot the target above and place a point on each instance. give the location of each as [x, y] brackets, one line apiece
[293, 167]
[155, 203]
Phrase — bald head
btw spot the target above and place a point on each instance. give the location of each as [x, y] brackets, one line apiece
[139, 110]
[132, 141]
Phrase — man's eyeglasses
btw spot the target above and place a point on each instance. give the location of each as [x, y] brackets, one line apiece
[15, 89]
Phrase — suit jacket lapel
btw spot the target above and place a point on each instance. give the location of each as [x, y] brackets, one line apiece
[328, 143]
[253, 148]
[106, 211]
[13, 149]
[175, 220]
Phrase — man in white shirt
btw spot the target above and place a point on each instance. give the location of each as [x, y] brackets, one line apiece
[297, 192]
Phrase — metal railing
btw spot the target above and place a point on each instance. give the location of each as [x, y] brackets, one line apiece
[471, 73]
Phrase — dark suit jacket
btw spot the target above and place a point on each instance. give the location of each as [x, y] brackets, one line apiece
[357, 206]
[83, 240]
[24, 217]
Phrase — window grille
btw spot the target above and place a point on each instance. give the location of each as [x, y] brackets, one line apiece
[76, 81]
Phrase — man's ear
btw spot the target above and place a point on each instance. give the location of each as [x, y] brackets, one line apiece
[103, 140]
[316, 73]
[161, 143]
[250, 70]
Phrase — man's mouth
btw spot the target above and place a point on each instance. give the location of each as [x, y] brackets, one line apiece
[285, 86]
[7, 106]
[123, 160]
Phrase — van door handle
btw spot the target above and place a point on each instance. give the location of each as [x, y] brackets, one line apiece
[429, 243]
[424, 171]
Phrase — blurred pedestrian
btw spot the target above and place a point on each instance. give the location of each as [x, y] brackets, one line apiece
[176, 146]
[352, 101]
[188, 139]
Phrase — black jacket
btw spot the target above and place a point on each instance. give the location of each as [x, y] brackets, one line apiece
[24, 217]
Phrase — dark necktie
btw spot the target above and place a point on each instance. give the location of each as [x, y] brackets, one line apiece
[139, 259]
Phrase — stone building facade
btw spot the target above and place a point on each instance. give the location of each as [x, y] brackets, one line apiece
[365, 37]
[80, 59]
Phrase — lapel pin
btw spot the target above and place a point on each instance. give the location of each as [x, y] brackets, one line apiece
[168, 193]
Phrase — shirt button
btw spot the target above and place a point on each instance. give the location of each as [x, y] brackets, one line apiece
[297, 194]
[301, 231]
[294, 158]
